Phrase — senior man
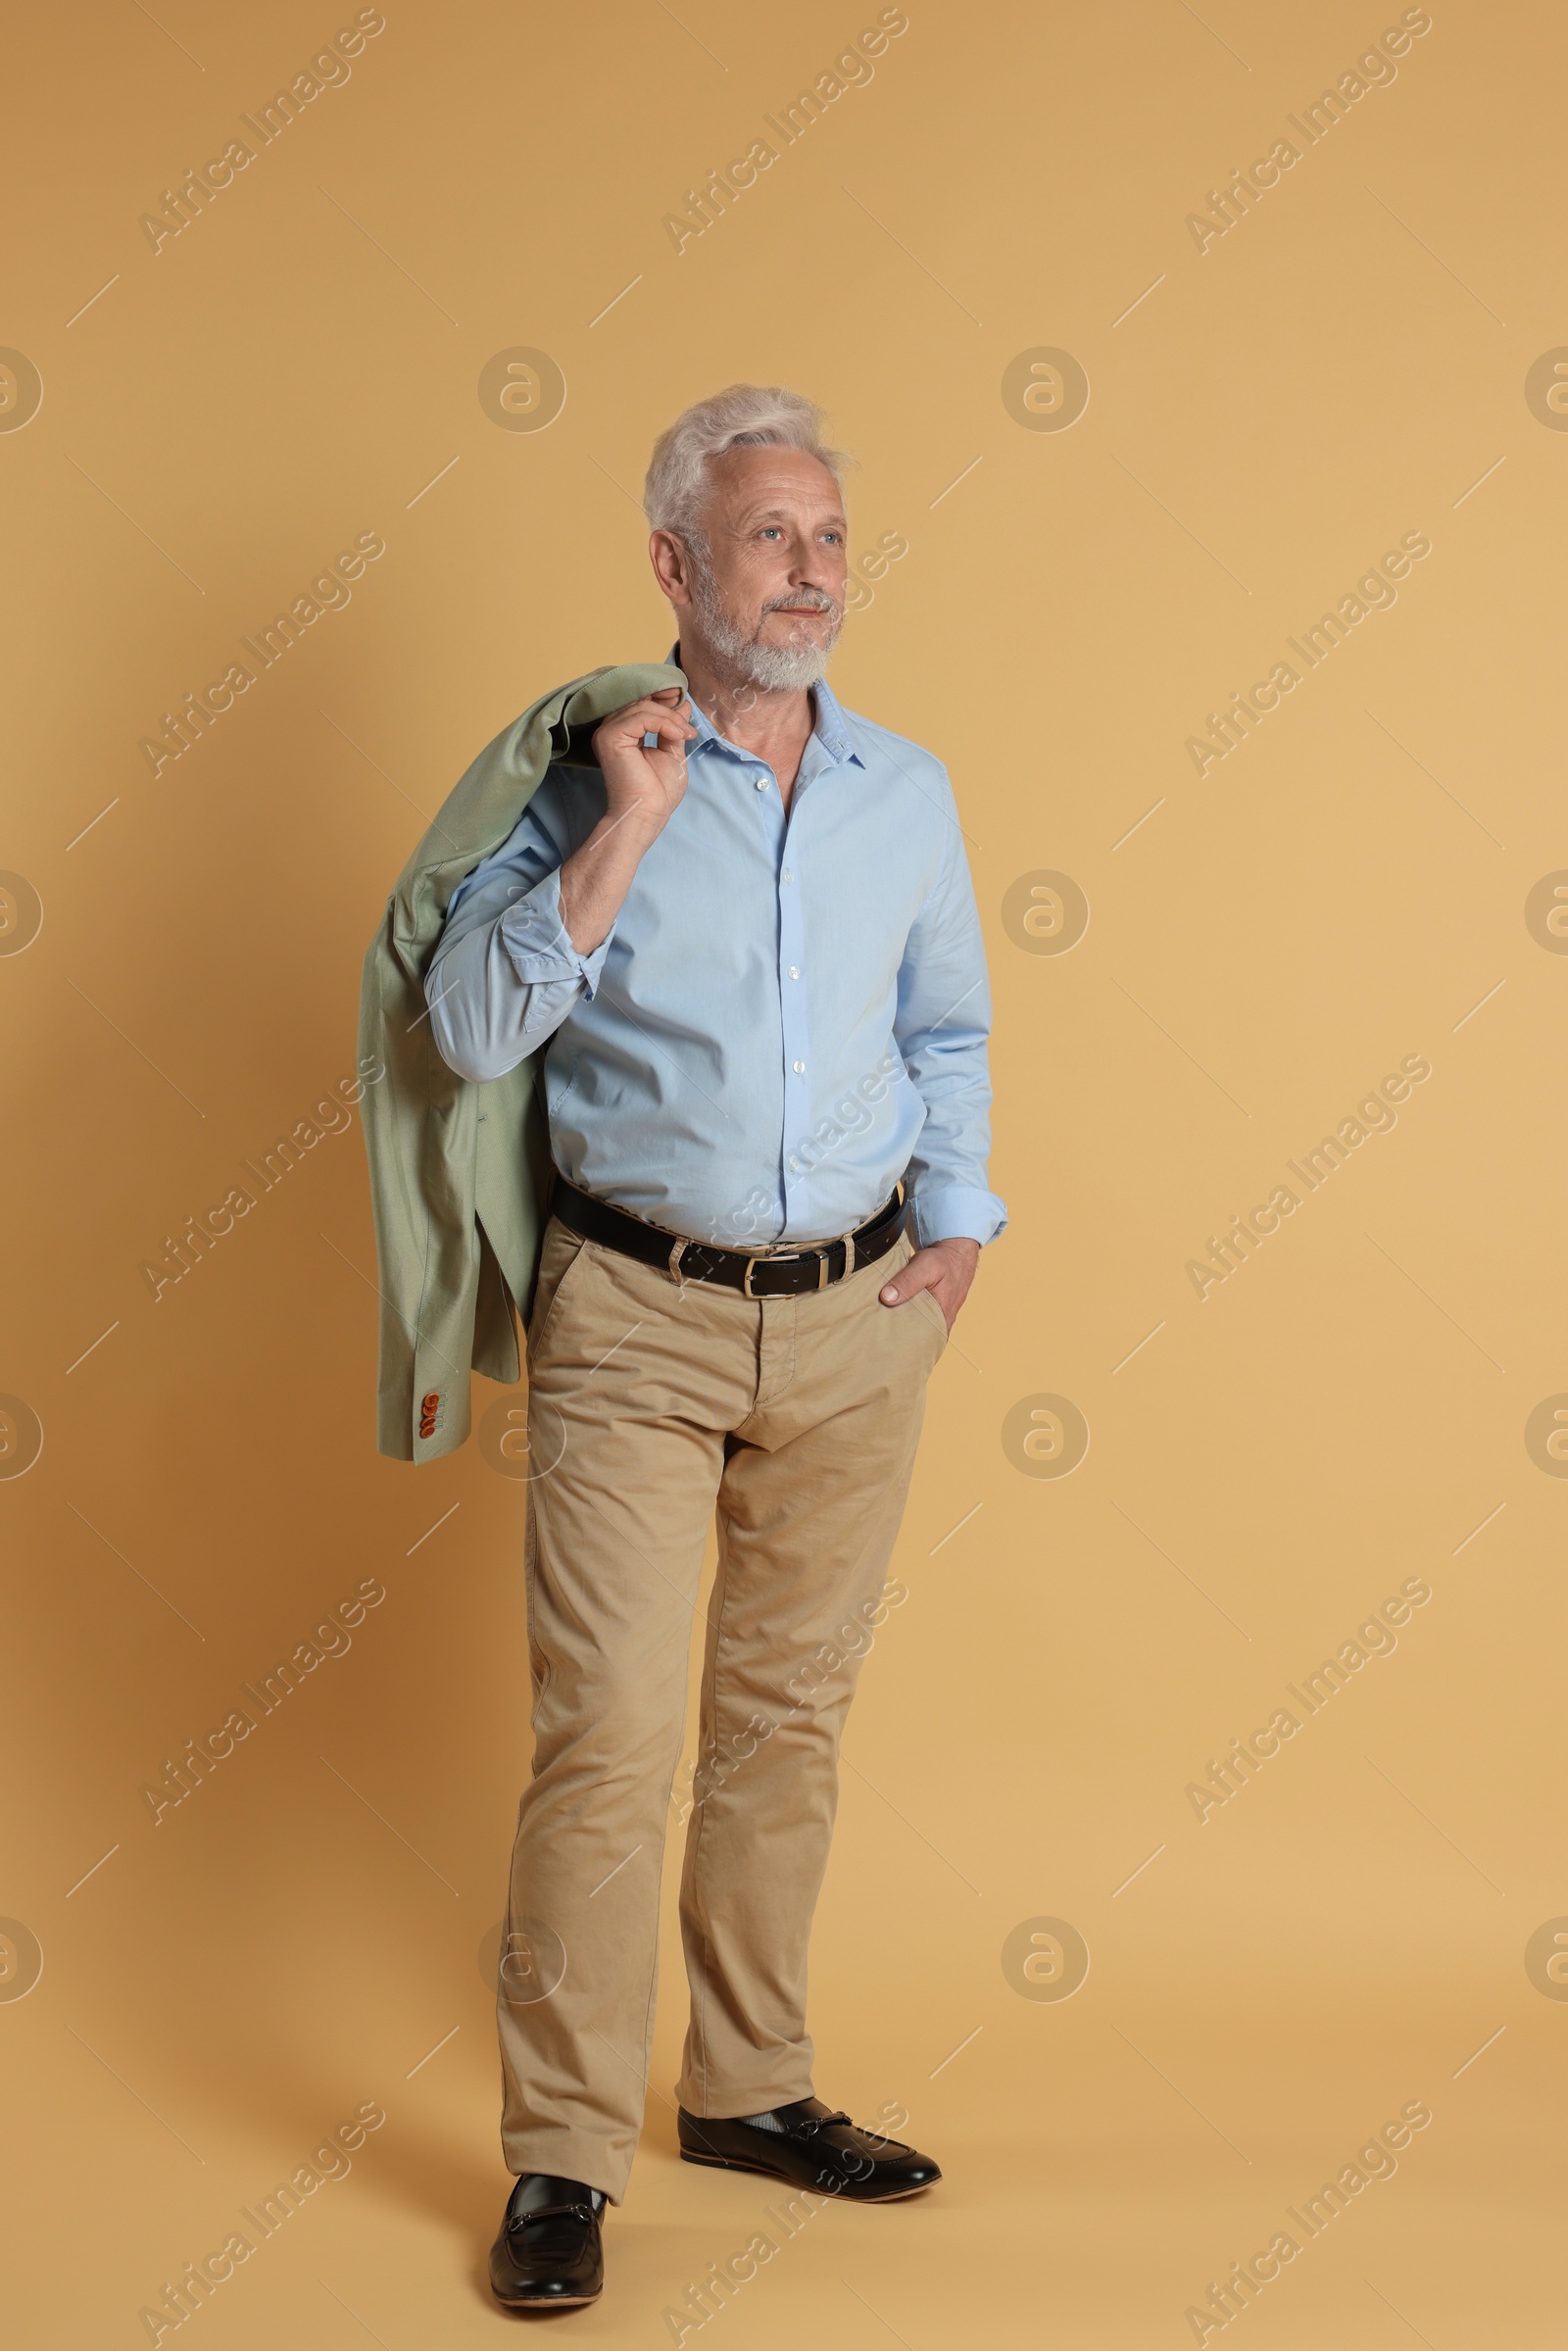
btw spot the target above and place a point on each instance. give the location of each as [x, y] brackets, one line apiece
[750, 943]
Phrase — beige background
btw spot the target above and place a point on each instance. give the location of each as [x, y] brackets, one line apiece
[1347, 888]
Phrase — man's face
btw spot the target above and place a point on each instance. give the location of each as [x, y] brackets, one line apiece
[771, 597]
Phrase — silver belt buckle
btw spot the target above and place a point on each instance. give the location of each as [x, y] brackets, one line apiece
[789, 1258]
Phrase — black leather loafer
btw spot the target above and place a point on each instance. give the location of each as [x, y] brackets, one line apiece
[815, 2146]
[548, 2255]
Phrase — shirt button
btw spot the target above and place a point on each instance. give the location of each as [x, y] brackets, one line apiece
[788, 876]
[800, 1069]
[761, 783]
[794, 1163]
[794, 973]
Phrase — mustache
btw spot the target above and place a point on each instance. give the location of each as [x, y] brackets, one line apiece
[816, 600]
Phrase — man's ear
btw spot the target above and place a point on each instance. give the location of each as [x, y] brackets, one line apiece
[672, 561]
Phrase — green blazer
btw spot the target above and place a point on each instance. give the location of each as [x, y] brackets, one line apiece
[461, 1174]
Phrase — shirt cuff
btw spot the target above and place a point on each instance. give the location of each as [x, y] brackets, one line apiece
[957, 1212]
[539, 944]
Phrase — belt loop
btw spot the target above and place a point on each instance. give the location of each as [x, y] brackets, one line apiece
[849, 1255]
[678, 1251]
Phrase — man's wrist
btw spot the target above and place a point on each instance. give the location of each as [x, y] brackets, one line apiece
[636, 825]
[595, 878]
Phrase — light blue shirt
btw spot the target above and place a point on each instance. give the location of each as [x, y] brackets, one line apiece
[789, 1012]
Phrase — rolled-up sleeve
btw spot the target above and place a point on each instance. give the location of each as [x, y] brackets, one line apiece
[505, 974]
[941, 1029]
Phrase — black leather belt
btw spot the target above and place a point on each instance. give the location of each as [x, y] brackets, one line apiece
[762, 1273]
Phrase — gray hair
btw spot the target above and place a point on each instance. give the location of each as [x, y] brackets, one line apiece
[745, 416]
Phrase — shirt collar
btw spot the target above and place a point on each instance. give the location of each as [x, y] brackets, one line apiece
[830, 730]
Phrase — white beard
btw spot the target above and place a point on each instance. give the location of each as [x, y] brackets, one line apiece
[776, 669]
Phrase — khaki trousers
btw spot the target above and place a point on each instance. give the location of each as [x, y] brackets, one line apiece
[650, 1406]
